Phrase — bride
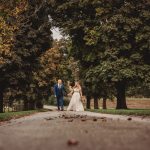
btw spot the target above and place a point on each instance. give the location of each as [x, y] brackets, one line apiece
[75, 103]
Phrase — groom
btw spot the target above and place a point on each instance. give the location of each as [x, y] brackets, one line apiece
[59, 94]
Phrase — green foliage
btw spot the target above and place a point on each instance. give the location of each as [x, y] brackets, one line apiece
[14, 115]
[54, 65]
[140, 90]
[135, 112]
[110, 39]
[26, 35]
[52, 101]
[109, 47]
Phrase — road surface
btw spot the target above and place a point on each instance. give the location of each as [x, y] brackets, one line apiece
[55, 130]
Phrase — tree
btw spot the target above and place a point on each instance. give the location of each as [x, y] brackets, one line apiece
[30, 37]
[33, 39]
[46, 76]
[97, 88]
[126, 47]
[54, 64]
[108, 37]
[10, 10]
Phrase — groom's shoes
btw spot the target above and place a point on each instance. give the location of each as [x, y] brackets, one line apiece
[62, 110]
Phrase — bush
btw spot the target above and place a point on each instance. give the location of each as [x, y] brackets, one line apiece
[66, 101]
[52, 101]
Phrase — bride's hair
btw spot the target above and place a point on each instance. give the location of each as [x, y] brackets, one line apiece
[77, 84]
[72, 84]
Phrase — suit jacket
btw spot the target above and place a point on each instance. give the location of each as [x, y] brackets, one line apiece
[59, 92]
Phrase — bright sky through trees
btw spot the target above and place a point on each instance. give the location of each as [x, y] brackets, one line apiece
[56, 33]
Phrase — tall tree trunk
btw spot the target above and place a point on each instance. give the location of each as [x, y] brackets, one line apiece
[26, 106]
[39, 105]
[104, 103]
[88, 103]
[121, 97]
[96, 103]
[1, 99]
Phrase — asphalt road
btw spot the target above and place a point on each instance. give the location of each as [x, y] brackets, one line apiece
[78, 131]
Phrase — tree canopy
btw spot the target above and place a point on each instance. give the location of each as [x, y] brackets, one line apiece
[25, 36]
[110, 39]
[108, 47]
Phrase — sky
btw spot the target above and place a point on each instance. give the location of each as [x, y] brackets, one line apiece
[56, 33]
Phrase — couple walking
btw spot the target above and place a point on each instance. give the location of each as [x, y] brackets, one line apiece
[76, 96]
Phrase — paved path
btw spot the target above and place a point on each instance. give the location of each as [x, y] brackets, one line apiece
[114, 117]
[52, 130]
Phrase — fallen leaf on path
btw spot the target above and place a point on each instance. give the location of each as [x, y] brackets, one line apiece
[102, 117]
[94, 119]
[72, 142]
[66, 117]
[83, 119]
[77, 116]
[70, 120]
[129, 119]
[143, 117]
[86, 131]
[104, 120]
[48, 118]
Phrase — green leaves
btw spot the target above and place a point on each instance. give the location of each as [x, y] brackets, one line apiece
[25, 36]
[110, 39]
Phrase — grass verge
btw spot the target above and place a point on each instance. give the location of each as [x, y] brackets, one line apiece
[14, 115]
[134, 112]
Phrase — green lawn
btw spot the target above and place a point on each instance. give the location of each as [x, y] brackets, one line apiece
[136, 112]
[13, 115]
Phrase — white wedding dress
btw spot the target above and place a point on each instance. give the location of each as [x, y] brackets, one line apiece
[75, 103]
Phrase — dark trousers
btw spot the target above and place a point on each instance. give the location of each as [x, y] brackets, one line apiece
[60, 102]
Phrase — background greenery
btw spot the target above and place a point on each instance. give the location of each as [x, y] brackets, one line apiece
[107, 49]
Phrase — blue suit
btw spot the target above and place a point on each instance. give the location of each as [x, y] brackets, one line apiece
[59, 93]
